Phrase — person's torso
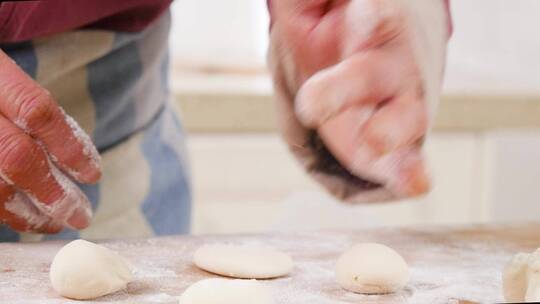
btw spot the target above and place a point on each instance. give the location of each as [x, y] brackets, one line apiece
[115, 84]
[26, 20]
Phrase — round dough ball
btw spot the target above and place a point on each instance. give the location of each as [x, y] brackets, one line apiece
[371, 268]
[245, 262]
[83, 270]
[223, 291]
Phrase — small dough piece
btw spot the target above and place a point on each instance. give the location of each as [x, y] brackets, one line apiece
[224, 291]
[83, 270]
[515, 278]
[521, 278]
[372, 268]
[533, 278]
[244, 262]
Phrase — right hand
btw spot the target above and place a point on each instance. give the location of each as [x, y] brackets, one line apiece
[40, 146]
[365, 75]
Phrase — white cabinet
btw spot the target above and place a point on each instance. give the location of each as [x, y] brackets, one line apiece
[246, 183]
[512, 176]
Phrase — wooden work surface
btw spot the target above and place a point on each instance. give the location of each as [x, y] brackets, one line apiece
[448, 265]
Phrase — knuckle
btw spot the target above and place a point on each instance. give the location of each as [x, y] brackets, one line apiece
[376, 139]
[35, 107]
[307, 93]
[40, 227]
[17, 153]
[385, 20]
[17, 224]
[360, 61]
[364, 66]
[419, 116]
[423, 122]
[6, 192]
[388, 12]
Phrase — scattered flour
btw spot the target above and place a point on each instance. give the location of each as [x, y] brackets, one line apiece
[445, 267]
[20, 205]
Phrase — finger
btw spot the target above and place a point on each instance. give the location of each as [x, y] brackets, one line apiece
[359, 80]
[25, 165]
[340, 133]
[413, 178]
[299, 6]
[32, 109]
[399, 123]
[401, 171]
[7, 194]
[18, 212]
[304, 34]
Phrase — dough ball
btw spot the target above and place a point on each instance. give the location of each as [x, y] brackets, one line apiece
[83, 270]
[371, 268]
[515, 278]
[245, 262]
[223, 291]
[521, 278]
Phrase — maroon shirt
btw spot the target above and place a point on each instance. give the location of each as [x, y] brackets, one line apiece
[446, 3]
[24, 20]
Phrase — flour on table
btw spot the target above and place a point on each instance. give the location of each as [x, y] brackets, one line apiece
[445, 265]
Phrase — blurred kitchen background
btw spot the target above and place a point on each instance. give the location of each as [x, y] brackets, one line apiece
[484, 150]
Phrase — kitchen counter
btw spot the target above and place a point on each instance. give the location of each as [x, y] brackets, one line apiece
[448, 265]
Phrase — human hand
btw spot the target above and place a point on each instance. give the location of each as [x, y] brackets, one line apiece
[365, 74]
[40, 146]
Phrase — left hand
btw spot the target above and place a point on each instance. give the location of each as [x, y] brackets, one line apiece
[40, 148]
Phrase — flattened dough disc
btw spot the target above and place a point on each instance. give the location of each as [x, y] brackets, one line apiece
[245, 262]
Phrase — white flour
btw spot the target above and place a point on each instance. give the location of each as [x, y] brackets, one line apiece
[21, 206]
[445, 267]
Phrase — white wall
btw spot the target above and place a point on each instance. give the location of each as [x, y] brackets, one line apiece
[512, 175]
[494, 48]
[230, 33]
